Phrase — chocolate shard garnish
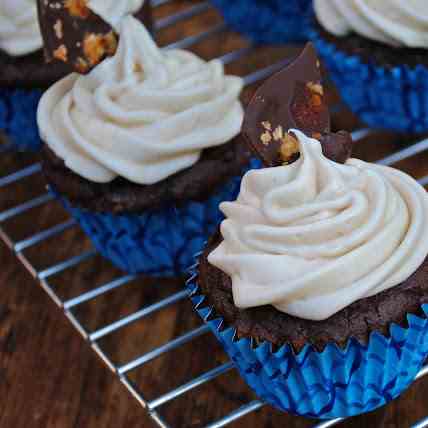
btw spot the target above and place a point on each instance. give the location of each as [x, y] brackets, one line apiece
[293, 98]
[75, 35]
[337, 146]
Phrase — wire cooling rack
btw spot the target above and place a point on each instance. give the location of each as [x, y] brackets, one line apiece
[46, 275]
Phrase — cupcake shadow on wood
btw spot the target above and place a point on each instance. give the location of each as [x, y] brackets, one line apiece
[316, 285]
[143, 149]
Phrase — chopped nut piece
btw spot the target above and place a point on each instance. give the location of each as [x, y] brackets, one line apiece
[278, 134]
[61, 53]
[138, 68]
[316, 88]
[316, 101]
[93, 47]
[110, 41]
[289, 148]
[58, 29]
[267, 126]
[81, 65]
[266, 138]
[77, 8]
[309, 109]
[96, 46]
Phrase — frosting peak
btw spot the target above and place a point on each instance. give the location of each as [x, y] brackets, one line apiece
[113, 11]
[143, 114]
[393, 22]
[315, 236]
[19, 27]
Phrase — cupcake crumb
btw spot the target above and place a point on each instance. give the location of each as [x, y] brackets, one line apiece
[267, 125]
[278, 134]
[58, 29]
[315, 88]
[289, 149]
[266, 138]
[61, 53]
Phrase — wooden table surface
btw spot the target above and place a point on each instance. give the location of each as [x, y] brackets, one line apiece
[50, 378]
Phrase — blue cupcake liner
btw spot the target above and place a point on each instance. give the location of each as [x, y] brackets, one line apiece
[268, 21]
[331, 384]
[157, 243]
[18, 112]
[395, 99]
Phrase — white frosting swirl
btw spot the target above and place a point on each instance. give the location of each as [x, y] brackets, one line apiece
[393, 22]
[143, 114]
[112, 11]
[19, 27]
[315, 236]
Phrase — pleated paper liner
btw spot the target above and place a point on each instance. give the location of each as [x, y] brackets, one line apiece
[329, 384]
[158, 243]
[18, 112]
[395, 98]
[273, 22]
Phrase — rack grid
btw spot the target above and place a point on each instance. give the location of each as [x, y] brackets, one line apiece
[70, 306]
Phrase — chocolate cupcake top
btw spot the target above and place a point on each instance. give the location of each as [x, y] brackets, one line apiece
[312, 237]
[393, 22]
[308, 234]
[19, 27]
[143, 114]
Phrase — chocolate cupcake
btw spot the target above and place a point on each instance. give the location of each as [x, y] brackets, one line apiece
[143, 149]
[316, 284]
[23, 72]
[376, 53]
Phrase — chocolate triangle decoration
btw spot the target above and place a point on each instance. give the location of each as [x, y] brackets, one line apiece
[293, 98]
[73, 34]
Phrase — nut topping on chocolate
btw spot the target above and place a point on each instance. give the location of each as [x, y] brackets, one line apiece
[266, 138]
[293, 98]
[289, 149]
[77, 8]
[267, 126]
[278, 134]
[74, 34]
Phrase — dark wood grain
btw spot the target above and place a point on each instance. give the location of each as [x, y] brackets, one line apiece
[49, 377]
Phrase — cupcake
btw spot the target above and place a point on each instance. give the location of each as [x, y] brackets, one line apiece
[376, 53]
[316, 284]
[274, 21]
[143, 149]
[23, 72]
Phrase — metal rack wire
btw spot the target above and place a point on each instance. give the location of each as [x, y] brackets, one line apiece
[69, 306]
